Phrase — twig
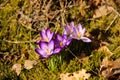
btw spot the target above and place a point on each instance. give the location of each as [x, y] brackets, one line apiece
[18, 42]
[115, 11]
[73, 54]
[62, 12]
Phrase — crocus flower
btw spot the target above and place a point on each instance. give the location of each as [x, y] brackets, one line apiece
[79, 33]
[47, 49]
[62, 41]
[68, 29]
[46, 35]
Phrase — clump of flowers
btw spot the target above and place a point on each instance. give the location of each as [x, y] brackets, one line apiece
[52, 43]
[76, 32]
[47, 49]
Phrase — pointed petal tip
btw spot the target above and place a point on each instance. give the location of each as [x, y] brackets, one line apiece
[59, 37]
[37, 42]
[85, 39]
[48, 29]
[72, 22]
[37, 50]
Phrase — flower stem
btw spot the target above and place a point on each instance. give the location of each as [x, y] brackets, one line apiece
[72, 53]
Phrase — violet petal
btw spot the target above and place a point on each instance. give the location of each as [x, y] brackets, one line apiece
[85, 39]
[72, 24]
[43, 45]
[65, 32]
[68, 42]
[57, 50]
[48, 32]
[59, 37]
[41, 52]
[43, 35]
[51, 45]
[67, 28]
[79, 27]
[83, 32]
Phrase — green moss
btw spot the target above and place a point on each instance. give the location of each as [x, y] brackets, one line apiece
[74, 65]
[6, 73]
[93, 62]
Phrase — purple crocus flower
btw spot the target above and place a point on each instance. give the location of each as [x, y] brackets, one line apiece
[47, 49]
[68, 29]
[46, 35]
[79, 33]
[62, 41]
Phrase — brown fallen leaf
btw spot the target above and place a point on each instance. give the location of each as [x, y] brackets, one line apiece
[106, 62]
[102, 11]
[67, 76]
[105, 67]
[29, 64]
[17, 68]
[79, 75]
[110, 70]
[95, 2]
[116, 66]
[105, 50]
